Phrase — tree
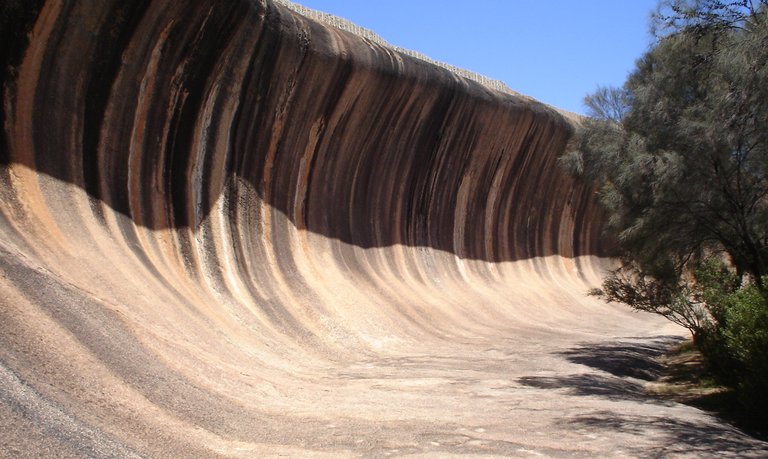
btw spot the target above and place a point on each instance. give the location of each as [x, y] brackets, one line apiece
[679, 155]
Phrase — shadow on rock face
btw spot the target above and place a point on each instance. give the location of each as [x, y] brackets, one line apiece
[167, 112]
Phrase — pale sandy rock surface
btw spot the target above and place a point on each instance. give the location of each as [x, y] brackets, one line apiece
[229, 230]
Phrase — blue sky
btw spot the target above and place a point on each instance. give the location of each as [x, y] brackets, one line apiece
[556, 51]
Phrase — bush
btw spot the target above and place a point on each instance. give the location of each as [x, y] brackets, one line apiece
[679, 156]
[735, 343]
[746, 340]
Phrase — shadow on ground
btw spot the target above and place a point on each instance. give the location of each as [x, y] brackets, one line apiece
[631, 358]
[624, 368]
[690, 438]
[588, 384]
[626, 364]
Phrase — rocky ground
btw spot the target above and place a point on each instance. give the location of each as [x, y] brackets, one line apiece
[229, 230]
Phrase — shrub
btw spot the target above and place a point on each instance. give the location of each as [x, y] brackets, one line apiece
[746, 340]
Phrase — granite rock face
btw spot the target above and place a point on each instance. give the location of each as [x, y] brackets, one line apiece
[166, 113]
[228, 229]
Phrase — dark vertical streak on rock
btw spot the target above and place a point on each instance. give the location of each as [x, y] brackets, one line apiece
[211, 212]
[111, 41]
[429, 127]
[17, 18]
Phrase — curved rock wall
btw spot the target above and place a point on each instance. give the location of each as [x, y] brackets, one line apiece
[209, 207]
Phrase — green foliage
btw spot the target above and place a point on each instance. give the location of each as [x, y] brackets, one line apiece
[714, 284]
[747, 324]
[746, 339]
[736, 346]
[675, 302]
[680, 153]
[679, 158]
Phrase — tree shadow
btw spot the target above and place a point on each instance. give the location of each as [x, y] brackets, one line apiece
[625, 366]
[630, 358]
[692, 438]
[588, 384]
[628, 364]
